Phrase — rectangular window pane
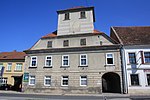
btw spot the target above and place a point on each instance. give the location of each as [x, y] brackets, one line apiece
[18, 66]
[134, 79]
[66, 43]
[83, 80]
[132, 58]
[83, 42]
[47, 80]
[65, 60]
[9, 66]
[32, 80]
[48, 61]
[1, 65]
[82, 14]
[65, 80]
[148, 79]
[109, 58]
[49, 44]
[147, 57]
[83, 60]
[66, 16]
[33, 61]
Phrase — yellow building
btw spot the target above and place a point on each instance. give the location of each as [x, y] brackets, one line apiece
[13, 63]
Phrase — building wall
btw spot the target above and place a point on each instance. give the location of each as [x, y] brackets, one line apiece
[96, 68]
[73, 42]
[140, 69]
[8, 74]
[75, 25]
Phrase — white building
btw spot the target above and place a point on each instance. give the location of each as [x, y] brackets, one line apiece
[135, 57]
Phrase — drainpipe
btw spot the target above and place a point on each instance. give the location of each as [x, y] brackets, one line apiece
[124, 71]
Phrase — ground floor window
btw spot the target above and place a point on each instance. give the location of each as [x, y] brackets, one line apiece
[83, 80]
[148, 79]
[32, 80]
[47, 80]
[65, 80]
[134, 79]
[3, 80]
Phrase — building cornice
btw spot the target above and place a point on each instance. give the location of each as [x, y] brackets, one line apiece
[74, 49]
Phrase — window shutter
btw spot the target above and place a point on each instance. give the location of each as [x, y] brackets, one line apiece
[142, 57]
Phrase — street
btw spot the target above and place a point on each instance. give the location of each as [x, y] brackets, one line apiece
[22, 96]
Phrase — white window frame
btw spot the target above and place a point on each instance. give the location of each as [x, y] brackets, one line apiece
[47, 78]
[64, 79]
[31, 61]
[146, 78]
[83, 58]
[1, 65]
[63, 60]
[32, 79]
[48, 59]
[108, 57]
[9, 66]
[144, 55]
[83, 79]
[18, 65]
[130, 80]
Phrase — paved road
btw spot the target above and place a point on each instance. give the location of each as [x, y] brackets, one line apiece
[20, 96]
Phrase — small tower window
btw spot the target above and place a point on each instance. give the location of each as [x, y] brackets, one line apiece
[66, 16]
[82, 14]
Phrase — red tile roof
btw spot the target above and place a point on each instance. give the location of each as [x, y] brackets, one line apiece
[12, 55]
[131, 35]
[54, 34]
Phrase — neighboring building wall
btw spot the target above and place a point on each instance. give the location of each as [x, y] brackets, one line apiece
[139, 68]
[13, 72]
[94, 71]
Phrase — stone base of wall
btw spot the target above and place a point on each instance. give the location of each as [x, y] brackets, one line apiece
[65, 90]
[139, 91]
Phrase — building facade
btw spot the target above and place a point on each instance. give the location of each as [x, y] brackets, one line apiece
[75, 58]
[135, 57]
[13, 69]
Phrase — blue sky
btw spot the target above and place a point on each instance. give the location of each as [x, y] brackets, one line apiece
[23, 22]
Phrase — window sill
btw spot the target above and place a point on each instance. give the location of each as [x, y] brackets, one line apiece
[8, 70]
[17, 70]
[109, 65]
[83, 66]
[66, 19]
[32, 67]
[64, 66]
[132, 64]
[82, 18]
[135, 86]
[146, 64]
[47, 67]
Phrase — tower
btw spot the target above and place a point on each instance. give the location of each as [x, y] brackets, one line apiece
[79, 20]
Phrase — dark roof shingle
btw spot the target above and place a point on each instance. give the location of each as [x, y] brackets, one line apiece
[139, 35]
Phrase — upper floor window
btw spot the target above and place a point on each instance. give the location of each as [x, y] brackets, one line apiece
[64, 80]
[49, 44]
[109, 59]
[31, 80]
[82, 14]
[66, 43]
[83, 42]
[147, 57]
[33, 62]
[18, 67]
[65, 60]
[132, 58]
[134, 79]
[48, 61]
[66, 16]
[9, 66]
[83, 80]
[47, 80]
[83, 60]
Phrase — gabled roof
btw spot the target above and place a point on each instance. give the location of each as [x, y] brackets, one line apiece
[54, 34]
[137, 35]
[12, 55]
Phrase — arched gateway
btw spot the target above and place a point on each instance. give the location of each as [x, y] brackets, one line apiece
[111, 83]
